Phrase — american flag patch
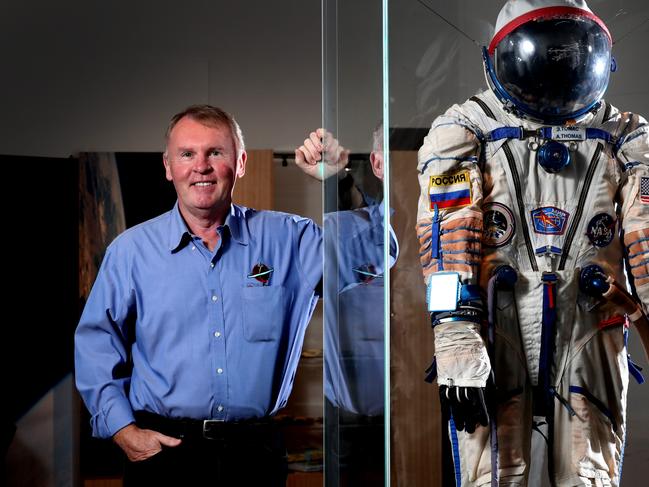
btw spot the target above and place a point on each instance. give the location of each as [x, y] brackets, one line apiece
[644, 189]
[450, 190]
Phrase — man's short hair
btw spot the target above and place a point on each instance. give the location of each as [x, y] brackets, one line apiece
[212, 117]
[377, 137]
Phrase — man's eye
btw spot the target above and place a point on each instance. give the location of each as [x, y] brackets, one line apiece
[185, 154]
[215, 153]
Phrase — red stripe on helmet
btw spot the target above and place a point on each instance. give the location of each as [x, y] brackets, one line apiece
[540, 13]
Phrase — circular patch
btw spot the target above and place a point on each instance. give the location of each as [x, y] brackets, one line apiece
[498, 227]
[365, 273]
[601, 229]
[261, 272]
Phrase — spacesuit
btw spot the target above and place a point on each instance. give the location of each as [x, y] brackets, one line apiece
[534, 197]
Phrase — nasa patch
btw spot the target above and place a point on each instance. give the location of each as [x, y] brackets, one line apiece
[601, 229]
[498, 226]
[549, 220]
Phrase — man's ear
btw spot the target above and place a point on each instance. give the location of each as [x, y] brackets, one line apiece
[376, 161]
[241, 164]
[165, 161]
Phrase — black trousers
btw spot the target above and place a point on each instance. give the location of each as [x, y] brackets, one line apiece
[240, 455]
[354, 448]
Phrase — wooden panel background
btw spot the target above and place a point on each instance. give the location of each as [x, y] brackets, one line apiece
[305, 479]
[103, 482]
[101, 214]
[415, 418]
[255, 189]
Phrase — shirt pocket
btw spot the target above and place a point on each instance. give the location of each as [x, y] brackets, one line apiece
[263, 313]
[361, 311]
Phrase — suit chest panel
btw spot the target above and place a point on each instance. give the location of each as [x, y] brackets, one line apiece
[550, 212]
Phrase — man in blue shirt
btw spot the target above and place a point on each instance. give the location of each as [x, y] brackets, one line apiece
[193, 330]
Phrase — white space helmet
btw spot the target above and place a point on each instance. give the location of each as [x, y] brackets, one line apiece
[549, 60]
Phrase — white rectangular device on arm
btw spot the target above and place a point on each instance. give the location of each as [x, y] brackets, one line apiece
[443, 292]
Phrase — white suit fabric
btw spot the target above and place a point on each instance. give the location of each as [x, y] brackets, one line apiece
[511, 211]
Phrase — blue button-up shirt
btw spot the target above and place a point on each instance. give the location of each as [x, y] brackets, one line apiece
[207, 338]
[354, 308]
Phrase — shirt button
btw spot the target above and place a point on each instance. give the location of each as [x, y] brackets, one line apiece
[219, 409]
[212, 265]
[215, 298]
[219, 370]
[193, 247]
[217, 334]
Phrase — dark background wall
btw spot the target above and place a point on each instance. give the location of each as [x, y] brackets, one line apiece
[106, 76]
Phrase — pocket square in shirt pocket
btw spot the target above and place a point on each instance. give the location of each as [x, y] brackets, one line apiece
[263, 312]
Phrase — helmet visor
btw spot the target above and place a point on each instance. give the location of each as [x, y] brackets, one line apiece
[554, 69]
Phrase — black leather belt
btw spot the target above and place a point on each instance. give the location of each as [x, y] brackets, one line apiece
[208, 429]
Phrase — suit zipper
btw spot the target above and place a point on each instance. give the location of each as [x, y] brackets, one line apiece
[521, 206]
[517, 188]
[580, 207]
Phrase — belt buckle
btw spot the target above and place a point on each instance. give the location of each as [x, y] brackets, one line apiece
[213, 429]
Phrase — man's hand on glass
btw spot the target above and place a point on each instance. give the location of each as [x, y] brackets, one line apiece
[321, 156]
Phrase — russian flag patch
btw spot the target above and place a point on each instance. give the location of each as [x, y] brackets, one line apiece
[450, 190]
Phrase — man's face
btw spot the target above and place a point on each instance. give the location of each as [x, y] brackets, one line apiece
[202, 163]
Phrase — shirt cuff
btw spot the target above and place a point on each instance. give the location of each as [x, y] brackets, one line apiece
[112, 418]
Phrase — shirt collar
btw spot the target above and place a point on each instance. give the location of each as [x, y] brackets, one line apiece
[377, 215]
[179, 234]
[237, 222]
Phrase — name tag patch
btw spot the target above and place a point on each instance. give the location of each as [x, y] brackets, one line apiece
[601, 230]
[549, 220]
[450, 190]
[568, 133]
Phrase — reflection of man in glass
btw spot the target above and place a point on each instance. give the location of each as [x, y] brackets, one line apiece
[519, 186]
[354, 323]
